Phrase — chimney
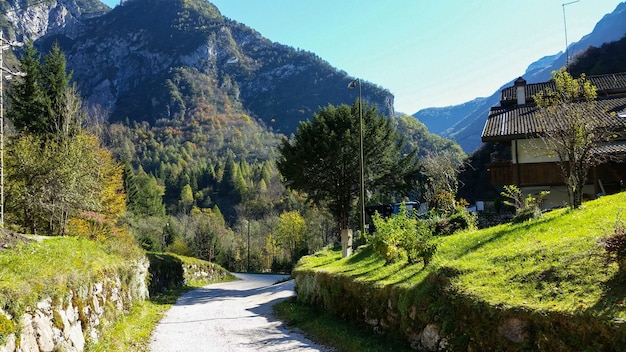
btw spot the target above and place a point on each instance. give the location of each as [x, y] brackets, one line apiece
[520, 90]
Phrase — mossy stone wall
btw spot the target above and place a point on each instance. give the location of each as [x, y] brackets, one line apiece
[434, 317]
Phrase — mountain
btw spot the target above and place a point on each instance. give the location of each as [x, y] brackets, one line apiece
[464, 123]
[148, 60]
[609, 58]
[195, 100]
[30, 20]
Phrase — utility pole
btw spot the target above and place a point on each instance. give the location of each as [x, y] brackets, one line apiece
[4, 45]
[248, 221]
[565, 27]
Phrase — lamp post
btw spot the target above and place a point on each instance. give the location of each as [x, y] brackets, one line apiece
[4, 45]
[361, 166]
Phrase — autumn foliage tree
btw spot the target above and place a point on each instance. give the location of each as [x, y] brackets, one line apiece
[54, 171]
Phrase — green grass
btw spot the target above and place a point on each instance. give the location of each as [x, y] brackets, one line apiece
[133, 330]
[551, 264]
[328, 330]
[39, 269]
[34, 270]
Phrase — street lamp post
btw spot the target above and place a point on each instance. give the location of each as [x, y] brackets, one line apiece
[361, 163]
[4, 45]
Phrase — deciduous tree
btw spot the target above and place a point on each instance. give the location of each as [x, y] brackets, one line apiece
[568, 129]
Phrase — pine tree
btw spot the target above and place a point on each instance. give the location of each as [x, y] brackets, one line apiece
[28, 100]
[150, 195]
[131, 188]
[44, 103]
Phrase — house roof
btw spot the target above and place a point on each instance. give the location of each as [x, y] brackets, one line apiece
[617, 148]
[521, 121]
[614, 83]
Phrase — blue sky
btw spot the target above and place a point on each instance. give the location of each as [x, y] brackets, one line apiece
[427, 53]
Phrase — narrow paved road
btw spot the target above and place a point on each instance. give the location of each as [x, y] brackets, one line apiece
[230, 316]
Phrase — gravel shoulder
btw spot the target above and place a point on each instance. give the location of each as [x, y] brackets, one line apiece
[230, 316]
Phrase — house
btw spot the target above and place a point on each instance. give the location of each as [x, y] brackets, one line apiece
[520, 158]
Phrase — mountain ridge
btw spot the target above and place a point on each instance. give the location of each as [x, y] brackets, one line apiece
[113, 61]
[467, 128]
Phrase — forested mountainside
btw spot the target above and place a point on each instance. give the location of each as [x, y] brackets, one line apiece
[609, 58]
[146, 60]
[464, 123]
[194, 106]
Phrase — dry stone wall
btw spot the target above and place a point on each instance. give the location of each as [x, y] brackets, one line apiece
[432, 316]
[67, 323]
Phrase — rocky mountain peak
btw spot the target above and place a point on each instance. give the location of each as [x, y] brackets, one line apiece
[42, 18]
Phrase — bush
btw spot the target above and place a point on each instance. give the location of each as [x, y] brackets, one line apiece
[461, 220]
[402, 235]
[526, 208]
[615, 244]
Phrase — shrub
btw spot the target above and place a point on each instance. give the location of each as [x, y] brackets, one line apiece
[460, 220]
[615, 244]
[6, 328]
[93, 226]
[526, 207]
[402, 235]
[180, 247]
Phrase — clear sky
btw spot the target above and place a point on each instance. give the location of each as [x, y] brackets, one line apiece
[427, 53]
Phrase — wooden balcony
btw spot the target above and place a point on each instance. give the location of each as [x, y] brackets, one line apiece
[533, 174]
[611, 175]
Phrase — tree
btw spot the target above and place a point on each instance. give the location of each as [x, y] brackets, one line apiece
[44, 103]
[291, 234]
[50, 182]
[569, 131]
[186, 199]
[322, 161]
[440, 171]
[149, 200]
[28, 98]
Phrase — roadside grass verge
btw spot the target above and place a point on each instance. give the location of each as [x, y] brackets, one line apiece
[326, 329]
[132, 332]
[49, 266]
[34, 270]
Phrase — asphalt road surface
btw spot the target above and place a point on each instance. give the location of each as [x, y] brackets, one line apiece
[230, 316]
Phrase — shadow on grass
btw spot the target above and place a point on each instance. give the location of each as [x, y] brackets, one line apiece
[327, 329]
[614, 298]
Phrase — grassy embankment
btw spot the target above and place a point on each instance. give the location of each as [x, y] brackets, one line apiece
[33, 270]
[553, 265]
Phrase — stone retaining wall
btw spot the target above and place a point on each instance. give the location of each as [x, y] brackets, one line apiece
[68, 323]
[64, 324]
[433, 317]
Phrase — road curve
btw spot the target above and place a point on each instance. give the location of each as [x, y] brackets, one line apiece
[230, 316]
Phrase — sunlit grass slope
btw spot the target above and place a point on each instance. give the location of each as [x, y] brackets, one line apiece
[36, 270]
[551, 264]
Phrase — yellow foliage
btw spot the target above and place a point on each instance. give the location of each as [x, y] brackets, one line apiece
[92, 226]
